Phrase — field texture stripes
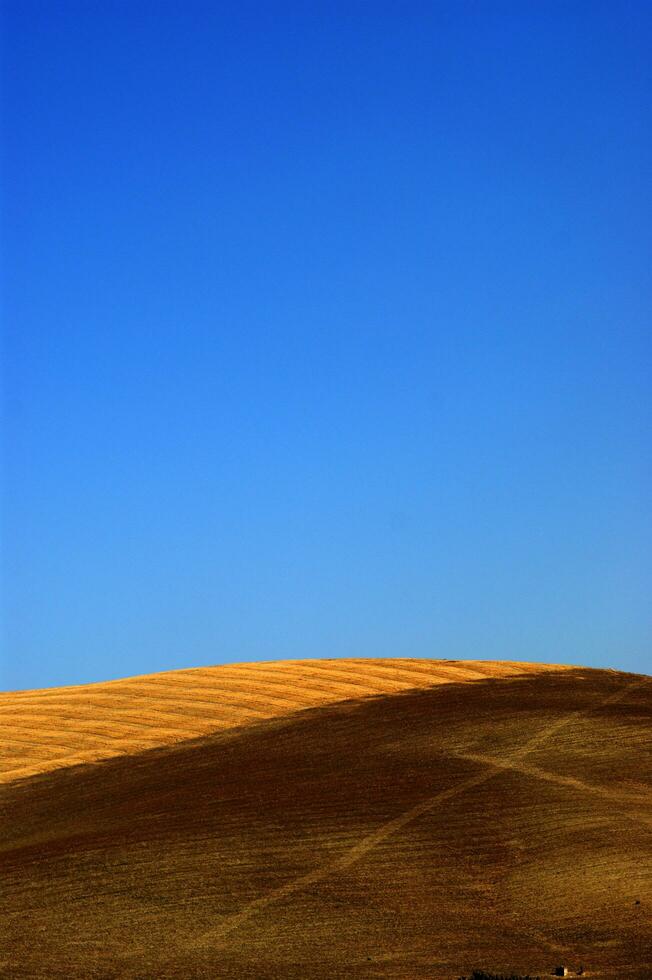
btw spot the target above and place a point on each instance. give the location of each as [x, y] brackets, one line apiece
[44, 730]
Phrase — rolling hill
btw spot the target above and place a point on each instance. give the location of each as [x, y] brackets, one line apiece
[337, 818]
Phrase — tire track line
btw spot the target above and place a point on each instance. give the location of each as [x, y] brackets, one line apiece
[571, 781]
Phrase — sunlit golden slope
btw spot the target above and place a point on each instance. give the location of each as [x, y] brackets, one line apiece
[45, 729]
[400, 828]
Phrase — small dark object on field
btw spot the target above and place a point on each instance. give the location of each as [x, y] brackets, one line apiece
[482, 975]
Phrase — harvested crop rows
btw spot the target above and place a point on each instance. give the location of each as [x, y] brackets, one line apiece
[46, 729]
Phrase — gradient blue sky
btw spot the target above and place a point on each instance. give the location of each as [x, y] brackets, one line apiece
[326, 333]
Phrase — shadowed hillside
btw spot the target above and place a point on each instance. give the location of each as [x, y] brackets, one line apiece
[419, 832]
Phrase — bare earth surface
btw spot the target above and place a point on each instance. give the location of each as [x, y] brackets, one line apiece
[360, 818]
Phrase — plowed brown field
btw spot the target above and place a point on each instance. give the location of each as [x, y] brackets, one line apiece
[360, 818]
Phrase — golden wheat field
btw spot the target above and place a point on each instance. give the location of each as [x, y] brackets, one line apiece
[46, 729]
[334, 818]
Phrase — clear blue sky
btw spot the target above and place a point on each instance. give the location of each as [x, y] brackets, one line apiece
[326, 333]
